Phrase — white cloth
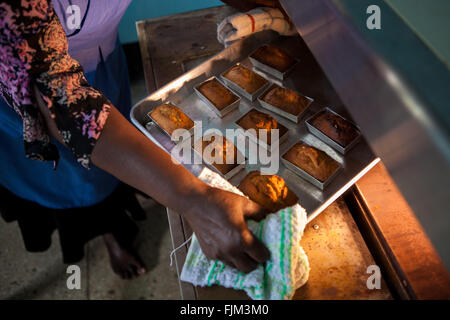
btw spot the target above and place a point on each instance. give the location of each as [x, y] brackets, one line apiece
[287, 269]
[241, 25]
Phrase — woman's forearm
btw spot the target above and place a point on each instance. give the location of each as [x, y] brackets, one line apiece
[127, 154]
[217, 217]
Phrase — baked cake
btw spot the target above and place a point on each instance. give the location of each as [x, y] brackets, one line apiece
[257, 120]
[312, 160]
[335, 127]
[286, 99]
[273, 57]
[269, 191]
[169, 118]
[217, 93]
[218, 147]
[245, 78]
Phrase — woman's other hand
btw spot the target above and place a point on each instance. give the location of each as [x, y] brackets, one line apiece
[241, 25]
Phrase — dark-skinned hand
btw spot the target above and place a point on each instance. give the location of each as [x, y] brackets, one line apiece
[219, 224]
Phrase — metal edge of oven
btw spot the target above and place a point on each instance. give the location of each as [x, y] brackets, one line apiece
[402, 119]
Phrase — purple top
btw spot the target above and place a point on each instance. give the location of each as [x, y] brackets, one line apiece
[34, 49]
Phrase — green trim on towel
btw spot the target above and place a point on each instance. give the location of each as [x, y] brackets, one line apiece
[237, 280]
[283, 292]
[242, 282]
[275, 279]
[290, 248]
[261, 229]
[208, 282]
[218, 272]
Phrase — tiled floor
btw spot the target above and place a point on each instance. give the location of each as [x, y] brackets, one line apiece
[26, 275]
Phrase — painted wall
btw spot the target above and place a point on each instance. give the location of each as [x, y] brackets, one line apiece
[146, 9]
[430, 20]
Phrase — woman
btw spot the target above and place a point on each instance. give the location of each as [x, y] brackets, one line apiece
[65, 102]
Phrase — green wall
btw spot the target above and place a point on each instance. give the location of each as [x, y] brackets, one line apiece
[430, 19]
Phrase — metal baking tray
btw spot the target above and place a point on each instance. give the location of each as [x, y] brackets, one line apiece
[305, 175]
[241, 91]
[327, 139]
[230, 173]
[155, 123]
[225, 110]
[270, 70]
[181, 91]
[261, 142]
[287, 115]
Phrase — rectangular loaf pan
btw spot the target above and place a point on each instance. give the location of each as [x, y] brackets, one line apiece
[230, 173]
[258, 141]
[211, 105]
[270, 70]
[287, 115]
[191, 131]
[305, 175]
[319, 134]
[239, 90]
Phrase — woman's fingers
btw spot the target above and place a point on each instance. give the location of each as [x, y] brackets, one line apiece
[223, 233]
[254, 247]
[254, 211]
[227, 261]
[244, 263]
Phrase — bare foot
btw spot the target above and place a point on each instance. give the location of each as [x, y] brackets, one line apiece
[124, 261]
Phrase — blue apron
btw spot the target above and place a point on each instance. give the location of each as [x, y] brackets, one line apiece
[103, 60]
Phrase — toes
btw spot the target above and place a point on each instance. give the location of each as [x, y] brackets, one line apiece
[138, 270]
[126, 263]
[138, 265]
[142, 271]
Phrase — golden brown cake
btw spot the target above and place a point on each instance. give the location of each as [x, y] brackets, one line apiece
[336, 128]
[245, 78]
[219, 152]
[273, 57]
[169, 118]
[217, 93]
[286, 99]
[312, 160]
[257, 120]
[269, 191]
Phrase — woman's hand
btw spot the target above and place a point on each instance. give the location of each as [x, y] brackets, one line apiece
[241, 25]
[216, 216]
[218, 220]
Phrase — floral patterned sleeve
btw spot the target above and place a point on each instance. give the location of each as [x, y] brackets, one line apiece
[34, 49]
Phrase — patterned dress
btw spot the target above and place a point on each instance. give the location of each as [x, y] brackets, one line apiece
[33, 49]
[80, 74]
